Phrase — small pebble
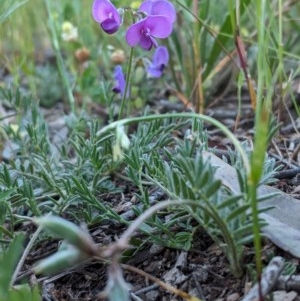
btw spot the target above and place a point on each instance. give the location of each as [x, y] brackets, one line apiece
[152, 295]
[233, 297]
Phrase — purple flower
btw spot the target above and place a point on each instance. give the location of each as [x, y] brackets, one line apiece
[159, 60]
[145, 31]
[106, 14]
[159, 7]
[120, 81]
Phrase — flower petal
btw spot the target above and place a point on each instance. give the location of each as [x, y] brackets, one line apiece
[146, 6]
[146, 30]
[164, 8]
[119, 79]
[153, 71]
[159, 26]
[146, 42]
[134, 33]
[159, 7]
[159, 61]
[110, 26]
[104, 9]
[160, 56]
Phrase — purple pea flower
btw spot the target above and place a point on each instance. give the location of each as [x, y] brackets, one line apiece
[120, 81]
[159, 61]
[145, 31]
[106, 14]
[159, 7]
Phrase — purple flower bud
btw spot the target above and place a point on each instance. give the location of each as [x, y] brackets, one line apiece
[159, 8]
[159, 60]
[145, 31]
[106, 14]
[120, 81]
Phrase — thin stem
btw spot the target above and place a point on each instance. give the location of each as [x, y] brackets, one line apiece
[199, 97]
[209, 119]
[280, 32]
[164, 285]
[261, 134]
[24, 255]
[280, 54]
[135, 225]
[237, 14]
[60, 62]
[172, 67]
[128, 80]
[231, 11]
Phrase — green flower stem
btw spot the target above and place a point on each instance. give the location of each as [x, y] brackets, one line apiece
[231, 11]
[197, 85]
[262, 117]
[211, 120]
[60, 62]
[172, 68]
[280, 50]
[128, 80]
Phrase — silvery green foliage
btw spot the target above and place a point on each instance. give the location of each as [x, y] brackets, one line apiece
[179, 170]
[164, 155]
[44, 176]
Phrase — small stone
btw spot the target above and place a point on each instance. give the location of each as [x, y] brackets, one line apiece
[284, 296]
[152, 295]
[153, 266]
[233, 297]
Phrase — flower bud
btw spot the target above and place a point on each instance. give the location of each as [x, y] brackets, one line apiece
[69, 32]
[82, 54]
[122, 138]
[60, 260]
[117, 153]
[122, 142]
[64, 229]
[118, 57]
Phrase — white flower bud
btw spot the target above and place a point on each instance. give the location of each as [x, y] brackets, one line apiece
[69, 32]
[122, 142]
